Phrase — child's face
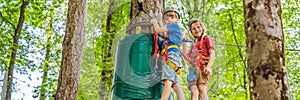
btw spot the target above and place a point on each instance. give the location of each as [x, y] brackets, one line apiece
[196, 29]
[170, 17]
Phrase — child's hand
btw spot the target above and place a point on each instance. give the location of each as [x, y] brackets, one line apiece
[208, 71]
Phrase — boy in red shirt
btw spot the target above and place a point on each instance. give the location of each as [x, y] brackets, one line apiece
[201, 57]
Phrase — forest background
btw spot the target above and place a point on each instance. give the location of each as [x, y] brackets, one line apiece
[39, 50]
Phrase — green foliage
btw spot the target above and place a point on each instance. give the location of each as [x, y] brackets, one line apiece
[81, 96]
[53, 40]
[32, 42]
[229, 80]
[290, 20]
[105, 48]
[97, 67]
[89, 74]
[9, 17]
[224, 20]
[50, 23]
[225, 23]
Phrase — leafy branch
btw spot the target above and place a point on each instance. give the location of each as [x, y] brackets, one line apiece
[21, 18]
[6, 20]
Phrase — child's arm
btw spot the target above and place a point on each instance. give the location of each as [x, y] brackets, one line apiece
[156, 27]
[187, 58]
[211, 57]
[208, 69]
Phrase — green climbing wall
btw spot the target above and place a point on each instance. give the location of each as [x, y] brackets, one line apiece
[134, 69]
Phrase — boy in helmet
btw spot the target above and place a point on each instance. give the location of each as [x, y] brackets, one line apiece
[201, 57]
[171, 53]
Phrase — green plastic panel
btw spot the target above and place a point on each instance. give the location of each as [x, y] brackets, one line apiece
[133, 77]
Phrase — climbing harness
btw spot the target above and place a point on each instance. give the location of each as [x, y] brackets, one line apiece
[199, 57]
[165, 43]
[155, 40]
[167, 47]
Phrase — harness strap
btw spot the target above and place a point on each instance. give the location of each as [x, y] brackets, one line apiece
[165, 55]
[164, 52]
[155, 40]
[169, 47]
[177, 69]
[200, 56]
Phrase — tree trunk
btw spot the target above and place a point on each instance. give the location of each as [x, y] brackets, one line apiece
[69, 74]
[203, 10]
[140, 21]
[16, 37]
[265, 50]
[106, 79]
[196, 3]
[189, 6]
[4, 87]
[47, 56]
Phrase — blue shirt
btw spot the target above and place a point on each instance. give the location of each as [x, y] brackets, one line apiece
[174, 33]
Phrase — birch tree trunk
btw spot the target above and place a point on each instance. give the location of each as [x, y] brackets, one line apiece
[69, 74]
[265, 50]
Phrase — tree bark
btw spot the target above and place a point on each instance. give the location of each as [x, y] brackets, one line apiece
[69, 74]
[189, 6]
[4, 87]
[203, 10]
[140, 20]
[16, 37]
[265, 50]
[196, 3]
